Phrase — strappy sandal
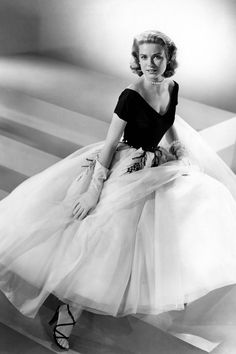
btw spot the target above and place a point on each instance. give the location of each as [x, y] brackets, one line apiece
[56, 333]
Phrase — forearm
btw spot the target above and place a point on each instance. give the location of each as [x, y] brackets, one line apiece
[113, 137]
[172, 135]
[89, 198]
[106, 154]
[176, 148]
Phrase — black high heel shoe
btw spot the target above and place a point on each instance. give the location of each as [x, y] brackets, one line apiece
[56, 333]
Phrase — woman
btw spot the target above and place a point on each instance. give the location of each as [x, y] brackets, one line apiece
[141, 225]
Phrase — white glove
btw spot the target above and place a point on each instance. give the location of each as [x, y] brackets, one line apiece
[166, 155]
[88, 200]
[178, 149]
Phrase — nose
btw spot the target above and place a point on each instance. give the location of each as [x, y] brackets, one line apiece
[151, 62]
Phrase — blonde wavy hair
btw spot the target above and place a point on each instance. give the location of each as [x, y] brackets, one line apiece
[156, 37]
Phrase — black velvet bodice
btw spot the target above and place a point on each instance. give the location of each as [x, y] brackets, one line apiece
[145, 127]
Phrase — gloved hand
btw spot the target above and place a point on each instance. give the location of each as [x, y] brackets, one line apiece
[88, 200]
[166, 155]
[178, 149]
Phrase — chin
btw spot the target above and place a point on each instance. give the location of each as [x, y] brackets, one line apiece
[152, 77]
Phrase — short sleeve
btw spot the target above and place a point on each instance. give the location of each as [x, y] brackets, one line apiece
[121, 108]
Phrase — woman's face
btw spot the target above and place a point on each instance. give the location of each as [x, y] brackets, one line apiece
[153, 61]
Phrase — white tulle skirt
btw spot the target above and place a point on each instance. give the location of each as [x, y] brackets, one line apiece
[158, 238]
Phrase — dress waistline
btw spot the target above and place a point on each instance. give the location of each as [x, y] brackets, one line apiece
[149, 148]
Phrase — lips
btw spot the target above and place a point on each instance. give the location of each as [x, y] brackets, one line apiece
[151, 71]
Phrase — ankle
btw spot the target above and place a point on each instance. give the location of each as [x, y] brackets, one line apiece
[75, 310]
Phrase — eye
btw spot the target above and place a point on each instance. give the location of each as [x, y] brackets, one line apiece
[157, 57]
[143, 56]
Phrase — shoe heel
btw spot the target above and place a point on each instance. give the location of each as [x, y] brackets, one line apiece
[54, 318]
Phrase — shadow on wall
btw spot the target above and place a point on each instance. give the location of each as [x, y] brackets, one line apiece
[72, 54]
[19, 30]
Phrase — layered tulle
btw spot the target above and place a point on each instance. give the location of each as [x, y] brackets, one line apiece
[160, 236]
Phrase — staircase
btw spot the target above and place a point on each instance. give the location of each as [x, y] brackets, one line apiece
[48, 110]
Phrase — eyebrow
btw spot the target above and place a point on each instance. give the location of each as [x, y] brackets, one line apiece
[152, 54]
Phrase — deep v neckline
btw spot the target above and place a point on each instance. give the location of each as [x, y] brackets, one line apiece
[148, 104]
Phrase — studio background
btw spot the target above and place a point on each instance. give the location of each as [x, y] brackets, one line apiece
[97, 34]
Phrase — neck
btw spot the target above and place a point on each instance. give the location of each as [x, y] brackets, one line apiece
[157, 81]
[155, 85]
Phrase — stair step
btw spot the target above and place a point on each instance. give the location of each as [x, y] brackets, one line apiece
[201, 116]
[3, 193]
[228, 155]
[23, 158]
[14, 342]
[49, 118]
[97, 333]
[222, 135]
[36, 138]
[73, 87]
[10, 179]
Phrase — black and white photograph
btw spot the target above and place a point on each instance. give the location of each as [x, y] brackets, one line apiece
[117, 176]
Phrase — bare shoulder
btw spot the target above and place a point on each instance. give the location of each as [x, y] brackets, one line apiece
[171, 85]
[136, 86]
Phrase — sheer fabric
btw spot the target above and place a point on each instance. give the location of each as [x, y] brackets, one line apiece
[159, 237]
